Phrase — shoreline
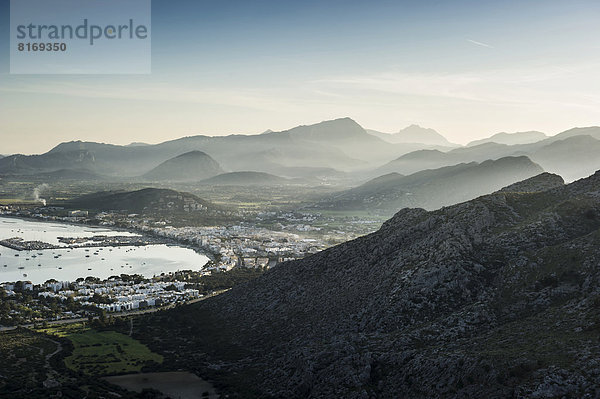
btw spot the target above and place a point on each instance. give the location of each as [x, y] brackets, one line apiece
[139, 239]
[167, 240]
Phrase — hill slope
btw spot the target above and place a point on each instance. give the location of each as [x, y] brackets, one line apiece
[495, 297]
[140, 201]
[191, 166]
[245, 178]
[432, 159]
[572, 158]
[49, 162]
[541, 182]
[431, 189]
[593, 131]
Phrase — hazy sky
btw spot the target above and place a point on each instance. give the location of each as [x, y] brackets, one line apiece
[465, 68]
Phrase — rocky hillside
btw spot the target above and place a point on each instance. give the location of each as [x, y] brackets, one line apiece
[541, 182]
[498, 297]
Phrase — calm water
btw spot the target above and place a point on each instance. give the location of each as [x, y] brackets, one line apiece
[70, 264]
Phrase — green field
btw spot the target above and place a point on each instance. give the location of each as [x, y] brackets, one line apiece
[17, 201]
[103, 352]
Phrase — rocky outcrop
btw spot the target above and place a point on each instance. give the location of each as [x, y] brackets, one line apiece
[541, 182]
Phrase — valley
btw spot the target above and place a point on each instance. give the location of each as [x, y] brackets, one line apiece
[299, 199]
[335, 263]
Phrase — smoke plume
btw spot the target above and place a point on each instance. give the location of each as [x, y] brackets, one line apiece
[38, 191]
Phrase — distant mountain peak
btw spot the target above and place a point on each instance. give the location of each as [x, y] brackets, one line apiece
[415, 126]
[418, 134]
[336, 129]
[137, 144]
[414, 134]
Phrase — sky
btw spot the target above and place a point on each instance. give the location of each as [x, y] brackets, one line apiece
[468, 69]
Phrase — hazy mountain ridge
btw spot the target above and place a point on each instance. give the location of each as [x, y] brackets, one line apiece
[431, 189]
[339, 145]
[512, 138]
[414, 134]
[593, 131]
[570, 155]
[335, 130]
[191, 166]
[573, 157]
[495, 297]
[28, 164]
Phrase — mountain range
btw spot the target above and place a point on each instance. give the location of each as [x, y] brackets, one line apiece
[341, 144]
[512, 138]
[331, 149]
[432, 189]
[569, 154]
[491, 298]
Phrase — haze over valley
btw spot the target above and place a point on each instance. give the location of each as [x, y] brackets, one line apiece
[342, 259]
[299, 200]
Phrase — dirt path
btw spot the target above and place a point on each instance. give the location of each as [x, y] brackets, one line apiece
[51, 381]
[59, 348]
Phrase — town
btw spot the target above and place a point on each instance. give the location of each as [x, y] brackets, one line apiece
[243, 244]
[237, 252]
[26, 303]
[112, 295]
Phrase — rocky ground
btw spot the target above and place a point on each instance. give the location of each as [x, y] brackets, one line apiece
[495, 297]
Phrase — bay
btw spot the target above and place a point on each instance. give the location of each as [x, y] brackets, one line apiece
[67, 264]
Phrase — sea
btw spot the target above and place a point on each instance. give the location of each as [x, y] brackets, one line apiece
[69, 264]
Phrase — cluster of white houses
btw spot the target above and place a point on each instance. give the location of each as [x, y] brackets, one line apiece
[117, 295]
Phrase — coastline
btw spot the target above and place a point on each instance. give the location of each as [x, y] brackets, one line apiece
[167, 240]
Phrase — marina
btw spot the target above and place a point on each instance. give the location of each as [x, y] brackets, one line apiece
[102, 258]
